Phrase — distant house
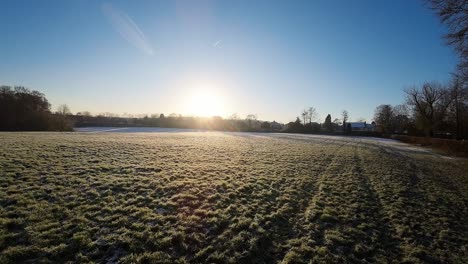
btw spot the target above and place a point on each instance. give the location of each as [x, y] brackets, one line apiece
[362, 126]
[276, 126]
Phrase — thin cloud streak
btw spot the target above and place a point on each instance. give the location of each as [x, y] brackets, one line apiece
[216, 43]
[127, 28]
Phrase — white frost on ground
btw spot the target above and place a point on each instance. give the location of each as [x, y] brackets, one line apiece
[132, 129]
[389, 144]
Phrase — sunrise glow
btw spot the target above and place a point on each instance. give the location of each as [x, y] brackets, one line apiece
[205, 103]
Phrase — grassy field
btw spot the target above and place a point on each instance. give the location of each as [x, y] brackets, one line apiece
[227, 198]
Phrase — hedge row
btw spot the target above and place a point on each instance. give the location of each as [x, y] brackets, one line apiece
[452, 146]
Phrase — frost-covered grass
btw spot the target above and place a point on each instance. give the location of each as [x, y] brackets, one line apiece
[227, 198]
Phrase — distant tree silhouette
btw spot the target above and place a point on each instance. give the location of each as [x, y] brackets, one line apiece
[251, 118]
[311, 114]
[295, 126]
[304, 115]
[384, 118]
[344, 116]
[432, 109]
[61, 118]
[327, 125]
[63, 110]
[84, 113]
[430, 104]
[234, 116]
[401, 119]
[458, 109]
[22, 109]
[265, 125]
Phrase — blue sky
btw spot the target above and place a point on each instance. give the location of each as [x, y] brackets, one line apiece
[271, 58]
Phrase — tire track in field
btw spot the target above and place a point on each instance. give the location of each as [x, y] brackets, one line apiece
[387, 245]
[325, 162]
[344, 220]
[302, 245]
[285, 224]
[399, 192]
[333, 159]
[421, 212]
[292, 216]
[281, 225]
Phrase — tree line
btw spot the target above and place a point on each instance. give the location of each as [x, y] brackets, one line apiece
[25, 110]
[434, 109]
[233, 123]
[308, 123]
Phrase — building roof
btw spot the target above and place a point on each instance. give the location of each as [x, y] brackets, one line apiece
[357, 124]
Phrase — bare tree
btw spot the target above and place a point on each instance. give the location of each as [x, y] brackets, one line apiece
[454, 14]
[234, 116]
[401, 116]
[459, 95]
[311, 114]
[304, 115]
[63, 109]
[344, 116]
[430, 105]
[401, 109]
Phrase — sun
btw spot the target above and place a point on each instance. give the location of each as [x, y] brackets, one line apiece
[206, 103]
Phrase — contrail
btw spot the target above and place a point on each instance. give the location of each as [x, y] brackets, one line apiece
[123, 24]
